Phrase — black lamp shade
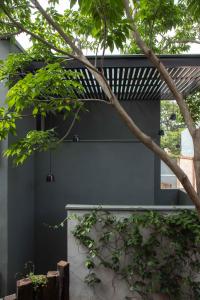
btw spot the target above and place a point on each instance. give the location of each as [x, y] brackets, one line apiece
[173, 117]
[50, 178]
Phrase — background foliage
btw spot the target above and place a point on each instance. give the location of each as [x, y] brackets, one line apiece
[171, 140]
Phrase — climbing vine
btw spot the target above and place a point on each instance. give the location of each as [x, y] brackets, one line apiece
[153, 252]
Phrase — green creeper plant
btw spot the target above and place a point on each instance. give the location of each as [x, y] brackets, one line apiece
[38, 281]
[165, 260]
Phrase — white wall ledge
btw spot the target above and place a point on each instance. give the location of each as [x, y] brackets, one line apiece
[85, 207]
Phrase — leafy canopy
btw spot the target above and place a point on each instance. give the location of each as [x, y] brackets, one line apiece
[92, 24]
[49, 90]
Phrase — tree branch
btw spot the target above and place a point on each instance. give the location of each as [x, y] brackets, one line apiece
[71, 126]
[37, 37]
[6, 23]
[149, 143]
[95, 100]
[80, 57]
[72, 100]
[187, 41]
[162, 70]
[6, 118]
[48, 44]
[9, 35]
[55, 25]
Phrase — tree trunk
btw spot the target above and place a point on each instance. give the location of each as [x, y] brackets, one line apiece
[196, 141]
[162, 70]
[147, 141]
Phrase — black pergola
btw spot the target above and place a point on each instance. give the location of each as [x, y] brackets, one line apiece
[133, 77]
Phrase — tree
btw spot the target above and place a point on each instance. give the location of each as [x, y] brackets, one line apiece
[109, 23]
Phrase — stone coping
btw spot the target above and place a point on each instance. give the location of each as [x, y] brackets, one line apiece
[86, 207]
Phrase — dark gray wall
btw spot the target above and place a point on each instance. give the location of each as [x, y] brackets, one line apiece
[20, 212]
[107, 166]
[3, 221]
[167, 197]
[4, 50]
[183, 198]
[102, 122]
[16, 204]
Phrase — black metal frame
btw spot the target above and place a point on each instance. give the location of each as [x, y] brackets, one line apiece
[133, 77]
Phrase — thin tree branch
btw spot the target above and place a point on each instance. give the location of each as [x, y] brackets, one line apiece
[41, 39]
[55, 25]
[6, 118]
[72, 100]
[71, 126]
[95, 100]
[162, 70]
[104, 43]
[9, 35]
[187, 41]
[48, 44]
[6, 23]
[37, 37]
[80, 57]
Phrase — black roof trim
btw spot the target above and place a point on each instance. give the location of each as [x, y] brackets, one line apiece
[133, 77]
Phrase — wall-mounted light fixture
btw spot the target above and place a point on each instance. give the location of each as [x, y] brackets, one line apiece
[76, 138]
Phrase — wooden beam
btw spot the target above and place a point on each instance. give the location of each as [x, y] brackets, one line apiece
[51, 291]
[63, 269]
[24, 289]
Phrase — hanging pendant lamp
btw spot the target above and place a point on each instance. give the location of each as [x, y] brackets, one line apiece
[50, 176]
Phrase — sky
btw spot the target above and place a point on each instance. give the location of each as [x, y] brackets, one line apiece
[64, 4]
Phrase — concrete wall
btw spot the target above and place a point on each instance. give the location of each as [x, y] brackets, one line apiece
[111, 286]
[107, 166]
[16, 203]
